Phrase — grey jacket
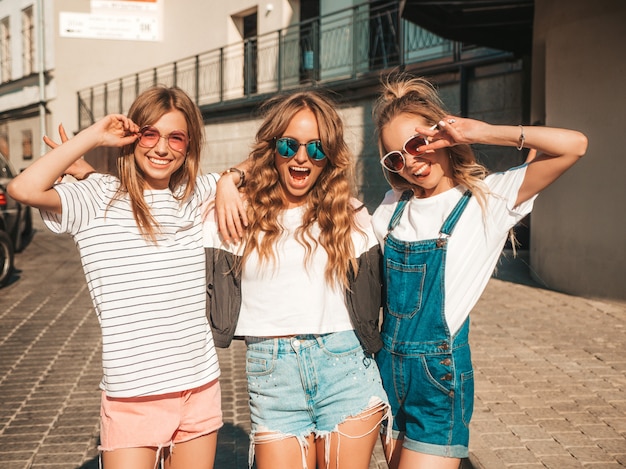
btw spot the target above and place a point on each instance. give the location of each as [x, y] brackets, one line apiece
[363, 297]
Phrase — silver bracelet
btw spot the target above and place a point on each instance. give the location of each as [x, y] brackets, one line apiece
[522, 138]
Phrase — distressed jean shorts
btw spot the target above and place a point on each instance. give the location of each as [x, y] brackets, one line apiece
[160, 421]
[309, 383]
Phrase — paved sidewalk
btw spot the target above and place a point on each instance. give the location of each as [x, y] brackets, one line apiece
[550, 374]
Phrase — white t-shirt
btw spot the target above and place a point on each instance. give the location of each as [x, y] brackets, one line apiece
[476, 243]
[150, 298]
[289, 297]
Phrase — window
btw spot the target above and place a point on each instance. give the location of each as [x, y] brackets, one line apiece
[5, 50]
[27, 144]
[384, 36]
[250, 51]
[309, 40]
[28, 41]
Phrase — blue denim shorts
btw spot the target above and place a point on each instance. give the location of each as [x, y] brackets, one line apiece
[309, 383]
[430, 406]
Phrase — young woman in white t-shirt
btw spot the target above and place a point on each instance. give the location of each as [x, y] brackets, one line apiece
[140, 240]
[442, 229]
[303, 290]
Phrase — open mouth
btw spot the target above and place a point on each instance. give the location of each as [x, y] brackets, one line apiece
[422, 171]
[299, 173]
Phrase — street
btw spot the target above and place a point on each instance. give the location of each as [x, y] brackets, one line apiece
[550, 373]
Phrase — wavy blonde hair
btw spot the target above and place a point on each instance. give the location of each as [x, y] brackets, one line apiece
[329, 201]
[405, 94]
[148, 108]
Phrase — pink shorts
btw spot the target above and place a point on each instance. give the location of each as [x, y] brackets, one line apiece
[159, 421]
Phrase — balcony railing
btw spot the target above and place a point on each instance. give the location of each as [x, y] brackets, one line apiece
[341, 46]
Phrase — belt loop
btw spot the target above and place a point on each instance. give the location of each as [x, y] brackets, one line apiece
[320, 340]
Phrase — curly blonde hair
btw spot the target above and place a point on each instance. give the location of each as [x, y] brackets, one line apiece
[405, 94]
[329, 200]
[148, 108]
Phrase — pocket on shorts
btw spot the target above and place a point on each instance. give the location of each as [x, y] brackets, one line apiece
[341, 343]
[408, 281]
[259, 362]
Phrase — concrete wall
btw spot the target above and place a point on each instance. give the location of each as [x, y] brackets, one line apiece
[578, 236]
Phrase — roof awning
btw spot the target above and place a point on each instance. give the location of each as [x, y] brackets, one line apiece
[499, 24]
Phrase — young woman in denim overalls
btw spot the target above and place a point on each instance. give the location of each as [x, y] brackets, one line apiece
[442, 229]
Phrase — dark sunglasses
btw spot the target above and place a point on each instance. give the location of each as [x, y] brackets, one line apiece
[287, 147]
[149, 137]
[394, 160]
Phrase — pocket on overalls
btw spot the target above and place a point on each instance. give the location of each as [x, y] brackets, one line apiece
[467, 396]
[405, 300]
[439, 372]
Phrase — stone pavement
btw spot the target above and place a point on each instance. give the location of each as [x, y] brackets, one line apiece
[550, 372]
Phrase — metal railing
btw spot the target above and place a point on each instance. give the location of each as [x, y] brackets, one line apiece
[340, 46]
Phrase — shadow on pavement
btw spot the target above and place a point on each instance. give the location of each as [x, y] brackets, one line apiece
[91, 464]
[232, 448]
[516, 269]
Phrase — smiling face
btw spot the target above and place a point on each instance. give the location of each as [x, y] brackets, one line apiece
[432, 172]
[159, 162]
[299, 173]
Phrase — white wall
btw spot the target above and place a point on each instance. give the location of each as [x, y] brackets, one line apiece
[189, 27]
[578, 233]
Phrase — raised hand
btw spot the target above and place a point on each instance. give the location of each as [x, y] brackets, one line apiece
[116, 130]
[452, 130]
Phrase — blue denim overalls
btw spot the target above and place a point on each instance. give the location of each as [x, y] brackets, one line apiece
[426, 372]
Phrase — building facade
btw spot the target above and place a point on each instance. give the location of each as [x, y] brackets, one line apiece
[73, 61]
[22, 86]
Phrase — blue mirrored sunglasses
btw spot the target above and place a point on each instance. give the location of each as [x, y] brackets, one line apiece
[288, 147]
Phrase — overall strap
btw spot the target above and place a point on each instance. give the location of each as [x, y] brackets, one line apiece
[453, 218]
[395, 218]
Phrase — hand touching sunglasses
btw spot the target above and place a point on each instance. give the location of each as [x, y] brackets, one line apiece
[395, 162]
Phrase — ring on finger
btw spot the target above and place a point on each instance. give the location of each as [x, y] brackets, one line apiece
[451, 121]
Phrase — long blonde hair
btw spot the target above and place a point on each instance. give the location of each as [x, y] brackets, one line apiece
[328, 202]
[148, 108]
[405, 94]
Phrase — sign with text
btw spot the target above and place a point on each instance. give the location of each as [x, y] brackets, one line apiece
[115, 19]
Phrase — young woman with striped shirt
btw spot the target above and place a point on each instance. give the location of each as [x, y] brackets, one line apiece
[140, 240]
